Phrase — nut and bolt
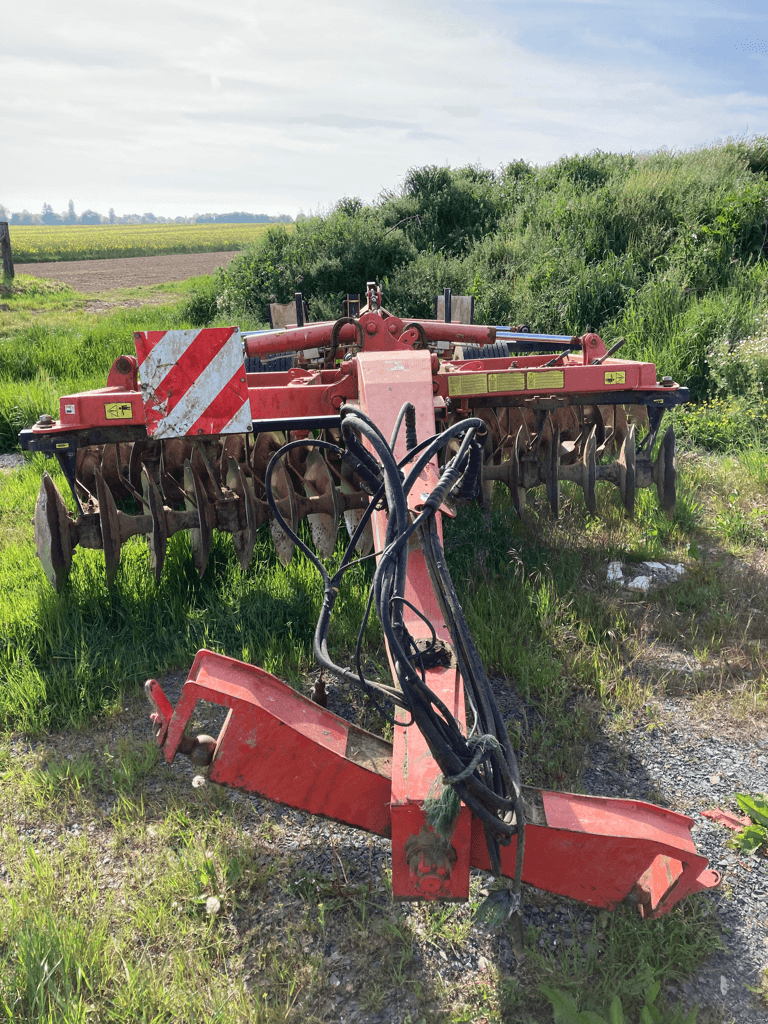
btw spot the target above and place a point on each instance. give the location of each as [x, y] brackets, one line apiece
[45, 420]
[667, 382]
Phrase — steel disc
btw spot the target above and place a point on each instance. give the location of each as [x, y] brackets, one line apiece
[319, 482]
[516, 487]
[552, 466]
[52, 537]
[665, 472]
[352, 519]
[589, 471]
[110, 527]
[197, 498]
[627, 471]
[243, 540]
[157, 541]
[284, 545]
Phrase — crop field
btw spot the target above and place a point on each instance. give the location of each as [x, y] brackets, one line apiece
[51, 243]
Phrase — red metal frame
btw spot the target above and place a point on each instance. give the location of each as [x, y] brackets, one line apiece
[300, 392]
[281, 745]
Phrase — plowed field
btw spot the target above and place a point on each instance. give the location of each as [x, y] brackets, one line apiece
[89, 276]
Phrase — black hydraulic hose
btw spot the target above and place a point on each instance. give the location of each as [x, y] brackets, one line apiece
[481, 767]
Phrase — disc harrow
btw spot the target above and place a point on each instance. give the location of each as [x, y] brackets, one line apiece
[153, 458]
[380, 424]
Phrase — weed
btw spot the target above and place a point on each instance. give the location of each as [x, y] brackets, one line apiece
[755, 836]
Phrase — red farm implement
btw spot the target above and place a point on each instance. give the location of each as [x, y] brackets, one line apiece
[380, 424]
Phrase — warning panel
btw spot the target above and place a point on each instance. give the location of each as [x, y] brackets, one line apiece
[539, 379]
[615, 377]
[468, 384]
[118, 411]
[506, 381]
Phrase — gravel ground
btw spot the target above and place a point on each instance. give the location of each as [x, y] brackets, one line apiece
[685, 761]
[688, 762]
[691, 766]
[9, 462]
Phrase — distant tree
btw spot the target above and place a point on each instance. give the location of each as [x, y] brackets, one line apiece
[25, 217]
[149, 218]
[71, 216]
[5, 214]
[111, 215]
[49, 217]
[90, 217]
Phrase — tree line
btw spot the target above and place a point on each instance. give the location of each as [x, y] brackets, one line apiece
[49, 216]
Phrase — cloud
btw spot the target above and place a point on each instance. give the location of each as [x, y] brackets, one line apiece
[247, 105]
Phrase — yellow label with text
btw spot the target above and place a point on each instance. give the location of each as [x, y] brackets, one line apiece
[615, 377]
[118, 411]
[545, 379]
[468, 384]
[506, 381]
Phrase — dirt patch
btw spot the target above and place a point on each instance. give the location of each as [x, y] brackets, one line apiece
[104, 275]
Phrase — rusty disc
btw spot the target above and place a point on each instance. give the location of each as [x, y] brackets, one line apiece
[627, 471]
[157, 540]
[352, 519]
[53, 542]
[319, 482]
[551, 467]
[243, 540]
[589, 471]
[665, 472]
[282, 487]
[200, 536]
[110, 527]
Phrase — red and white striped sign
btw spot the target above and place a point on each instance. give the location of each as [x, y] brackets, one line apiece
[193, 382]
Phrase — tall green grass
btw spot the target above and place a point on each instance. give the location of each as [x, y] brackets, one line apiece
[66, 657]
[42, 362]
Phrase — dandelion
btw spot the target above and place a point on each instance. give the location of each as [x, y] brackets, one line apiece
[212, 905]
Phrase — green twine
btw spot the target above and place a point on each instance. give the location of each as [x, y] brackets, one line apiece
[442, 810]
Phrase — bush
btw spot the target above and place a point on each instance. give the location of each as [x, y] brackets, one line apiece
[664, 249]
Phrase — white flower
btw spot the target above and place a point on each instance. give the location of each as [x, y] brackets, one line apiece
[198, 781]
[212, 905]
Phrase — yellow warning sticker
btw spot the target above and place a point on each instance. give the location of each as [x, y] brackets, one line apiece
[506, 381]
[539, 379]
[468, 384]
[615, 377]
[118, 411]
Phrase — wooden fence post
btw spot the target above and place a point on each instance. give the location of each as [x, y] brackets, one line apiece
[5, 249]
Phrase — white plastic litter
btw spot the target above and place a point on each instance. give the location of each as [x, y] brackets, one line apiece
[614, 571]
[640, 583]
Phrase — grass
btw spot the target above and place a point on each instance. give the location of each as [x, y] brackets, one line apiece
[49, 243]
[126, 895]
[185, 905]
[55, 341]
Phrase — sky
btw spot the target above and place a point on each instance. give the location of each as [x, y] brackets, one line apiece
[178, 107]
